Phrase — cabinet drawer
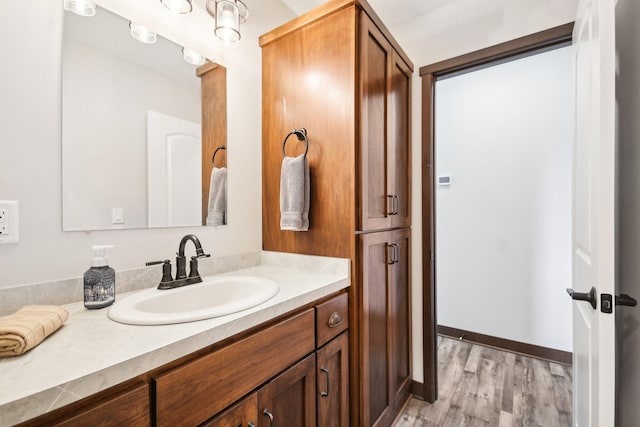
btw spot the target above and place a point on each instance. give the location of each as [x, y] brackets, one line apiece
[332, 317]
[131, 408]
[192, 393]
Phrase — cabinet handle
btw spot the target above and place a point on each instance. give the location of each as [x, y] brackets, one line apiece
[390, 253]
[391, 199]
[325, 393]
[396, 208]
[334, 320]
[266, 413]
[251, 424]
[394, 256]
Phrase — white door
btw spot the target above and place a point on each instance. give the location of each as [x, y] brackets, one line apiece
[174, 171]
[593, 214]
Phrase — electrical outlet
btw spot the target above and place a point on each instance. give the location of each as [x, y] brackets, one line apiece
[9, 222]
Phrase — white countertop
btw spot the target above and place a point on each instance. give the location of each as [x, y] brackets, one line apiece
[91, 353]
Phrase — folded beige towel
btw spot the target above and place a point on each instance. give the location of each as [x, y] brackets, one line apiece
[28, 327]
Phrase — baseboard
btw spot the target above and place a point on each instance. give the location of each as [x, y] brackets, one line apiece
[537, 351]
[417, 390]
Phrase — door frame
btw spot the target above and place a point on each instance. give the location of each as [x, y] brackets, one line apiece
[524, 46]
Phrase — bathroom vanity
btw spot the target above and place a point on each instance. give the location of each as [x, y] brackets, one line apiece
[285, 359]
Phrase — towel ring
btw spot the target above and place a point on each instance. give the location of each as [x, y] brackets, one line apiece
[301, 134]
[213, 159]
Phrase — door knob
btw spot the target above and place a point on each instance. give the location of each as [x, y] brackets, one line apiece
[590, 296]
[624, 299]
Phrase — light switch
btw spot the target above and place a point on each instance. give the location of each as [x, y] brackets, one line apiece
[117, 216]
[9, 222]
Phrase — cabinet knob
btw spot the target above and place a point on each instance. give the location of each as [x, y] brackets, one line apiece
[334, 320]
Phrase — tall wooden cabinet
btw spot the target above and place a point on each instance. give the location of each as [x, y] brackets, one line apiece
[385, 179]
[338, 72]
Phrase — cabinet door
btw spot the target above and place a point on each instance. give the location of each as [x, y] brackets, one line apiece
[290, 399]
[243, 414]
[375, 333]
[332, 376]
[400, 317]
[374, 77]
[385, 143]
[399, 142]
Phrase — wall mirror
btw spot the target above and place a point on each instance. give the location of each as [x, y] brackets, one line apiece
[140, 127]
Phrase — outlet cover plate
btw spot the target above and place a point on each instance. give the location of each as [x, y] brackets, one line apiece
[10, 213]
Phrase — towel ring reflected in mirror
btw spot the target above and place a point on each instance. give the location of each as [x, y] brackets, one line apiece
[301, 134]
[213, 159]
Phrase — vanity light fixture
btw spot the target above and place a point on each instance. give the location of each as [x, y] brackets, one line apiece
[228, 15]
[177, 6]
[193, 57]
[142, 33]
[80, 7]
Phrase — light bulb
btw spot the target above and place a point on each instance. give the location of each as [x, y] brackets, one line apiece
[80, 7]
[142, 33]
[177, 6]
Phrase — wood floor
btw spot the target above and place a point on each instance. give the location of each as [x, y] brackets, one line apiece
[481, 386]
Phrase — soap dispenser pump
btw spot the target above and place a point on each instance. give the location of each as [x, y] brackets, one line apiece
[99, 280]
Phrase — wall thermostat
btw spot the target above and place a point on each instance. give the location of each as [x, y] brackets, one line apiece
[444, 180]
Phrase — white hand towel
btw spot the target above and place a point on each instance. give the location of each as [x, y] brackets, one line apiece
[217, 197]
[294, 194]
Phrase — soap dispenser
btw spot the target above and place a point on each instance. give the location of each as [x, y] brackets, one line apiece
[99, 280]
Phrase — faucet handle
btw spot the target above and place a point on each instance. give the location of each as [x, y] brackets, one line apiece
[166, 269]
[193, 268]
[149, 263]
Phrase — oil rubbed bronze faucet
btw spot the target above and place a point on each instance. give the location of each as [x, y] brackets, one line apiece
[182, 279]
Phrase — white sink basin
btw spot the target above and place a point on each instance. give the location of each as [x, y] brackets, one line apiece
[214, 297]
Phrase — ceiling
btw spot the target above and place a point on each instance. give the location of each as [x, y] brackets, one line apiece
[433, 30]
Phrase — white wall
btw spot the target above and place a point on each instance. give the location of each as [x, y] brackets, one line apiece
[30, 172]
[503, 226]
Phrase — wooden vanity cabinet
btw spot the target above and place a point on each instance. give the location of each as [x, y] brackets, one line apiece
[314, 391]
[193, 393]
[270, 372]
